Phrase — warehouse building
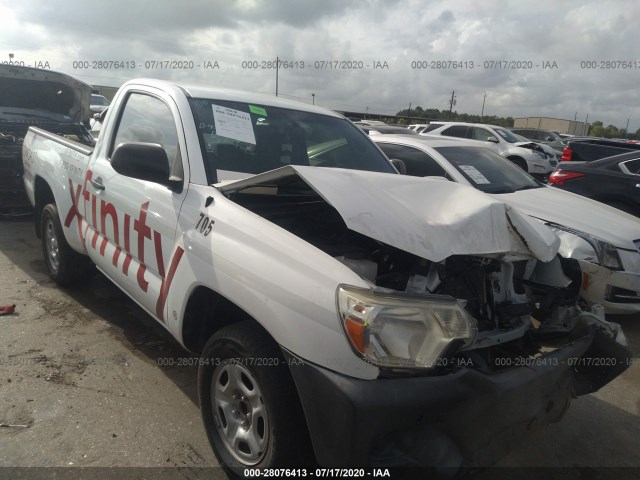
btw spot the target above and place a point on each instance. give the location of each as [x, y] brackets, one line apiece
[559, 125]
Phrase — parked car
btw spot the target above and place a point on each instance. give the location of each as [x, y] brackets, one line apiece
[549, 151]
[612, 180]
[526, 155]
[604, 240]
[387, 130]
[588, 149]
[99, 103]
[343, 316]
[369, 123]
[545, 137]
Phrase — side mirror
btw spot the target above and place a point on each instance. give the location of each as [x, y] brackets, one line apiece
[144, 161]
[491, 138]
[400, 165]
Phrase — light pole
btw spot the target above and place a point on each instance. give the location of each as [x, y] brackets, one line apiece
[452, 102]
[313, 98]
[277, 67]
[483, 99]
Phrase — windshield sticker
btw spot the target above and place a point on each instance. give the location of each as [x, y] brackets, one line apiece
[473, 173]
[258, 110]
[233, 124]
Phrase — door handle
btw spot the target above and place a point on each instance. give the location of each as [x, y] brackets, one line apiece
[97, 183]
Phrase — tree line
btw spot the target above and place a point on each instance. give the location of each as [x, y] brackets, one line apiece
[433, 114]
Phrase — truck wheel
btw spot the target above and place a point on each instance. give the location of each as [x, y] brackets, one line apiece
[250, 408]
[65, 266]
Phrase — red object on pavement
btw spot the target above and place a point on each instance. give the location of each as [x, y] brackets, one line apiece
[7, 309]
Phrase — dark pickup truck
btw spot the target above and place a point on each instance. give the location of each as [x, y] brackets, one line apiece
[586, 150]
[41, 98]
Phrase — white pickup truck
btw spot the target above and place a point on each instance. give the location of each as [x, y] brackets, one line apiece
[344, 314]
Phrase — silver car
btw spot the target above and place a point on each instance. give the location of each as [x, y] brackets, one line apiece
[528, 155]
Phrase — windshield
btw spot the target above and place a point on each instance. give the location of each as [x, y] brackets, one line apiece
[486, 170]
[507, 135]
[520, 137]
[99, 100]
[250, 139]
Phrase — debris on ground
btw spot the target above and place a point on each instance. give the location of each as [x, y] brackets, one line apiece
[7, 309]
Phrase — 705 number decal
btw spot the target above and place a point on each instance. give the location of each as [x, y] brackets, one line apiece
[204, 225]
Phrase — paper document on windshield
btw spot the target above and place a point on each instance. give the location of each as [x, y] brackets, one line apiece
[473, 173]
[233, 124]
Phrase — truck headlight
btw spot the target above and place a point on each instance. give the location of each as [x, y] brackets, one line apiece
[402, 330]
[606, 252]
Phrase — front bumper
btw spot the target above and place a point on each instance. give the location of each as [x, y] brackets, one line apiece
[463, 419]
[13, 199]
[615, 290]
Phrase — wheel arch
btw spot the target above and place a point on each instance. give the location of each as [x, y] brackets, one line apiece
[518, 161]
[205, 313]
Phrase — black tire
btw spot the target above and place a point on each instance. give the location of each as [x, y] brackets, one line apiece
[251, 375]
[520, 162]
[65, 266]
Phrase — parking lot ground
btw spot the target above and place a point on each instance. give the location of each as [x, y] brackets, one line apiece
[100, 384]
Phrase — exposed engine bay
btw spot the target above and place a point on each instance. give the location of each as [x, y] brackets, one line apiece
[522, 308]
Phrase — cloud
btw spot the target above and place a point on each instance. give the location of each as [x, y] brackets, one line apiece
[364, 33]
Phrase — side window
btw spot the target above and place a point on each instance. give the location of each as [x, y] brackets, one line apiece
[419, 164]
[431, 126]
[538, 135]
[631, 166]
[482, 134]
[147, 119]
[534, 135]
[456, 131]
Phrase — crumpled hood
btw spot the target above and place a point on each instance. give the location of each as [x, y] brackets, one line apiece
[432, 219]
[24, 89]
[577, 212]
[524, 144]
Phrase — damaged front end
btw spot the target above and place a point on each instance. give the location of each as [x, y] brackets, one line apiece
[472, 319]
[13, 199]
[456, 278]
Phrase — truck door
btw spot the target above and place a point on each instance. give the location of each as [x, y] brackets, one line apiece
[132, 222]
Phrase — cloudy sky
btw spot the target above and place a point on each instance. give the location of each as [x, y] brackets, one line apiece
[569, 36]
